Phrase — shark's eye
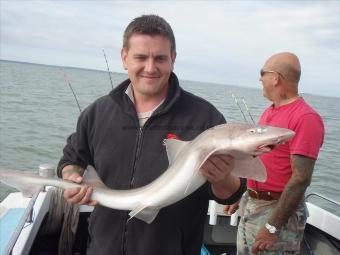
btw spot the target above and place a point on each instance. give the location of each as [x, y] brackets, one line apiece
[258, 130]
[261, 130]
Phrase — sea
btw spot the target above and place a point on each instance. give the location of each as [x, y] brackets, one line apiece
[38, 112]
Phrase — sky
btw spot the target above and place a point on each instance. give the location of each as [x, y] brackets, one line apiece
[223, 42]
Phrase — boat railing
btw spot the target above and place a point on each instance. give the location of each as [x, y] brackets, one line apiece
[315, 194]
[27, 217]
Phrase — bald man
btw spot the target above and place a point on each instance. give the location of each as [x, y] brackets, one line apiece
[274, 213]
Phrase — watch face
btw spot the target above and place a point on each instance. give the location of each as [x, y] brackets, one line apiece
[271, 229]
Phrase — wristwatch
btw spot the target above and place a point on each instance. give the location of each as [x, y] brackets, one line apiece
[272, 229]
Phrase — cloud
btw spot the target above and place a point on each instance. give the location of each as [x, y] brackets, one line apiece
[217, 41]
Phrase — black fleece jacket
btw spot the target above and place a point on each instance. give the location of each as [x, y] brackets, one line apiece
[108, 137]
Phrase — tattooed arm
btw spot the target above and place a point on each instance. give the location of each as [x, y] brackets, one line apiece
[302, 168]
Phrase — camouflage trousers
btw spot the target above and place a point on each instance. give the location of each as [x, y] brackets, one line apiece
[255, 214]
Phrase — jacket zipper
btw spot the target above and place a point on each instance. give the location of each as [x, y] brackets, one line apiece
[137, 153]
[139, 139]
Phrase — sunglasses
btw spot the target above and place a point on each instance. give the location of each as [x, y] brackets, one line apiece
[263, 72]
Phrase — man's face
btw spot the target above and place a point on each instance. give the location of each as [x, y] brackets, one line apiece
[267, 79]
[149, 62]
[266, 85]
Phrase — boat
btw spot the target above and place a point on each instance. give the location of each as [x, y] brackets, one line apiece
[25, 226]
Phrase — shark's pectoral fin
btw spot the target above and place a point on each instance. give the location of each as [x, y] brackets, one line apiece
[144, 213]
[251, 168]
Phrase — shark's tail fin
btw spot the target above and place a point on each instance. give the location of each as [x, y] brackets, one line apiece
[16, 179]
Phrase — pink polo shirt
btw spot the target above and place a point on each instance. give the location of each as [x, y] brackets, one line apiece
[309, 134]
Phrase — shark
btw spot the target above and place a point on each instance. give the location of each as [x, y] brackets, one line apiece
[244, 142]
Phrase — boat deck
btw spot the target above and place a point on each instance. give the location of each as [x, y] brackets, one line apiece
[22, 220]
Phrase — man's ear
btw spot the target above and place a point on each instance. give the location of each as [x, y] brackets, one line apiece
[123, 55]
[276, 80]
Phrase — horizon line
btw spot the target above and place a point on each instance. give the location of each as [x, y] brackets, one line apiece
[106, 71]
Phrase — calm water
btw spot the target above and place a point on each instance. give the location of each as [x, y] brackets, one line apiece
[38, 112]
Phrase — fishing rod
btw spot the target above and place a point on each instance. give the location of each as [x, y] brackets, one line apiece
[236, 101]
[108, 69]
[247, 109]
[67, 81]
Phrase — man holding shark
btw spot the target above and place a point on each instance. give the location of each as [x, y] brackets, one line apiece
[121, 135]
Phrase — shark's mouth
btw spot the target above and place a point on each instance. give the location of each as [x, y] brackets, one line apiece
[267, 147]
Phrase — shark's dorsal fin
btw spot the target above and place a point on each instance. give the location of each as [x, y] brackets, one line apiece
[144, 213]
[91, 178]
[173, 147]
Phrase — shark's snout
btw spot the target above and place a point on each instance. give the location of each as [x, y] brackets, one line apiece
[270, 144]
[285, 137]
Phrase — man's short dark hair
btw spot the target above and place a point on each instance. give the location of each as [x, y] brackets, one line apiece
[149, 25]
